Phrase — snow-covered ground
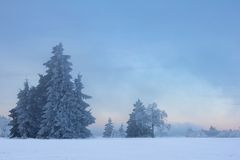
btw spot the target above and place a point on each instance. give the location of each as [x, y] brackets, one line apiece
[121, 149]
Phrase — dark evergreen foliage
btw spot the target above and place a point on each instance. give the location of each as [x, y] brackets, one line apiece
[138, 122]
[56, 107]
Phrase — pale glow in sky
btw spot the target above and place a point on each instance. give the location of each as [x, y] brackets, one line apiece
[183, 55]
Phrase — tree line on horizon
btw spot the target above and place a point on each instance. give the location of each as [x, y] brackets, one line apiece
[56, 107]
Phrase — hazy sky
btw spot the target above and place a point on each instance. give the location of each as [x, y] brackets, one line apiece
[184, 55]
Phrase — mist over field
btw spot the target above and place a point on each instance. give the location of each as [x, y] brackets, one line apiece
[123, 79]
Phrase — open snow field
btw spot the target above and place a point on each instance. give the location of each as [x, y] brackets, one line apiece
[121, 149]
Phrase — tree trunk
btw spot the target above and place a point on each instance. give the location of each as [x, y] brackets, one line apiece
[152, 130]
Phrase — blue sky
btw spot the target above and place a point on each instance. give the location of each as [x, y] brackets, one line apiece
[184, 55]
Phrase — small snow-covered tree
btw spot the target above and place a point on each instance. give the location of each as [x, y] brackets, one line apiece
[14, 131]
[157, 118]
[22, 112]
[81, 116]
[138, 122]
[24, 116]
[121, 131]
[212, 132]
[4, 128]
[108, 130]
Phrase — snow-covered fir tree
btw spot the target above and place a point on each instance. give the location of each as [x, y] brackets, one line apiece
[42, 88]
[20, 115]
[81, 116]
[4, 126]
[138, 124]
[121, 131]
[26, 116]
[156, 118]
[39, 99]
[108, 130]
[34, 111]
[57, 111]
[14, 130]
[56, 107]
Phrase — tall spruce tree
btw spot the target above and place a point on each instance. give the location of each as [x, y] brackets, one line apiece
[138, 122]
[108, 130]
[56, 121]
[81, 116]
